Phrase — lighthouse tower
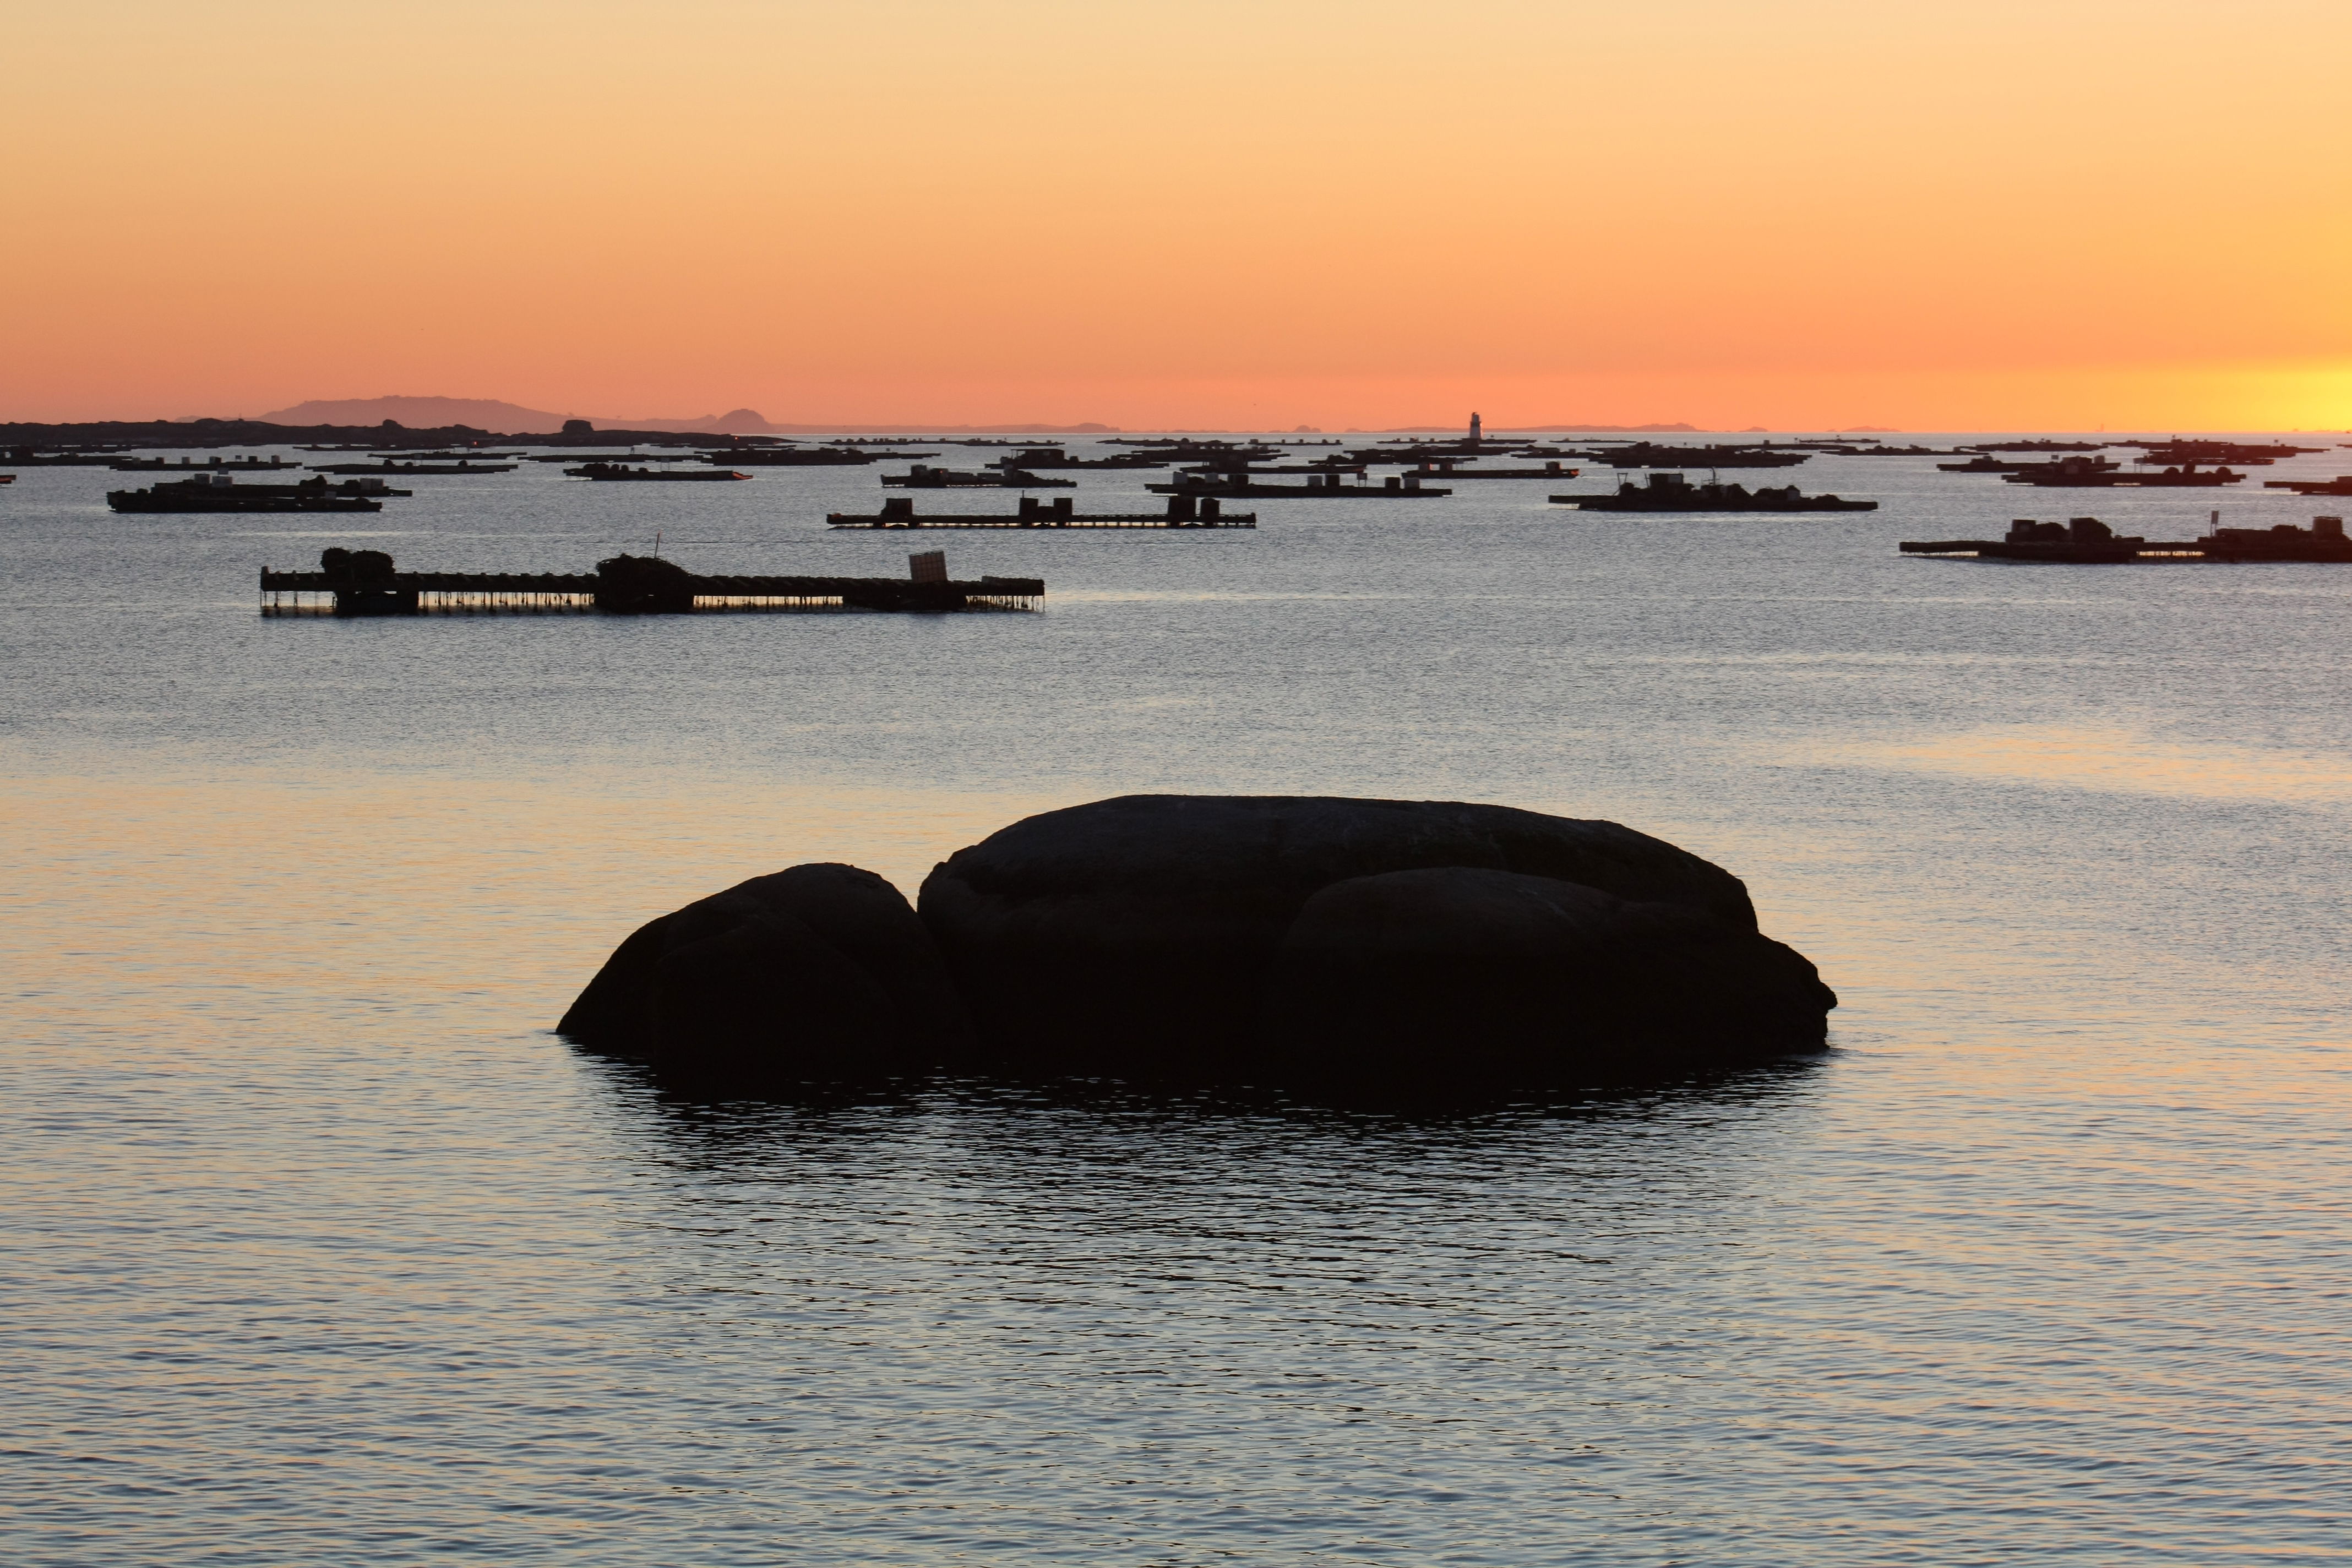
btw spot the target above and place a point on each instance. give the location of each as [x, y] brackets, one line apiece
[1473, 427]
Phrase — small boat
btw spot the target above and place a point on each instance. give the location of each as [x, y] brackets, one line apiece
[618, 472]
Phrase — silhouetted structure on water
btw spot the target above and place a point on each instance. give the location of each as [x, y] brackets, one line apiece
[210, 492]
[2087, 542]
[1673, 493]
[1183, 511]
[365, 583]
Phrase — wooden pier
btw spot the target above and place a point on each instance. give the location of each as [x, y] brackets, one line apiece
[1183, 511]
[362, 582]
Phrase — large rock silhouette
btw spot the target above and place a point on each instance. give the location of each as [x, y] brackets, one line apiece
[1152, 935]
[1398, 948]
[819, 972]
[1462, 977]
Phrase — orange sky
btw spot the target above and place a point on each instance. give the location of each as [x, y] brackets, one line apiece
[1208, 213]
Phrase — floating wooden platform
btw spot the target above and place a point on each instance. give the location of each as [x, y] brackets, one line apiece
[609, 471]
[2068, 474]
[233, 465]
[463, 466]
[1320, 486]
[2087, 542]
[208, 492]
[1446, 471]
[1672, 493]
[363, 584]
[1183, 511]
[919, 478]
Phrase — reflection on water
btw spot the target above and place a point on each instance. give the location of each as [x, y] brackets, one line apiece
[2111, 758]
[319, 1249]
[1045, 1121]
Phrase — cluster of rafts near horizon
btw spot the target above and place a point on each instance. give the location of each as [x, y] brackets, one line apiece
[1199, 476]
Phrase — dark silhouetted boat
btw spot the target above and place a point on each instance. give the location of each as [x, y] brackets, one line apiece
[1673, 493]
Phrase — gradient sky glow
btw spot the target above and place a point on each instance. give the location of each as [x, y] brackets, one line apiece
[1979, 215]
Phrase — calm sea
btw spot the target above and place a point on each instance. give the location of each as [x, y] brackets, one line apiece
[320, 1249]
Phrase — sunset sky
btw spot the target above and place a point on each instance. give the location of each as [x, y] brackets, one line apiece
[1820, 213]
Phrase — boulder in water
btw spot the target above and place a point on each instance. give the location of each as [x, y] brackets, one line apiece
[1467, 978]
[819, 972]
[1138, 935]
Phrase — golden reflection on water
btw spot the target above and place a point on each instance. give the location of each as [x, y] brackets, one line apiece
[505, 895]
[2118, 758]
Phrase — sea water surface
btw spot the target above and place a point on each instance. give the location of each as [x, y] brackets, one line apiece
[319, 1248]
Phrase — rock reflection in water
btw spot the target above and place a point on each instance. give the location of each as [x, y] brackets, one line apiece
[1378, 1329]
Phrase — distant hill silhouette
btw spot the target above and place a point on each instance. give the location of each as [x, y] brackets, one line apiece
[1550, 429]
[423, 413]
[513, 419]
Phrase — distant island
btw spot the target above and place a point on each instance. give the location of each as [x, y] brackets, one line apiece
[1549, 429]
[514, 419]
[464, 420]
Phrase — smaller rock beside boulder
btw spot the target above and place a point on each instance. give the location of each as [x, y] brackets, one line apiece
[1466, 978]
[819, 972]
